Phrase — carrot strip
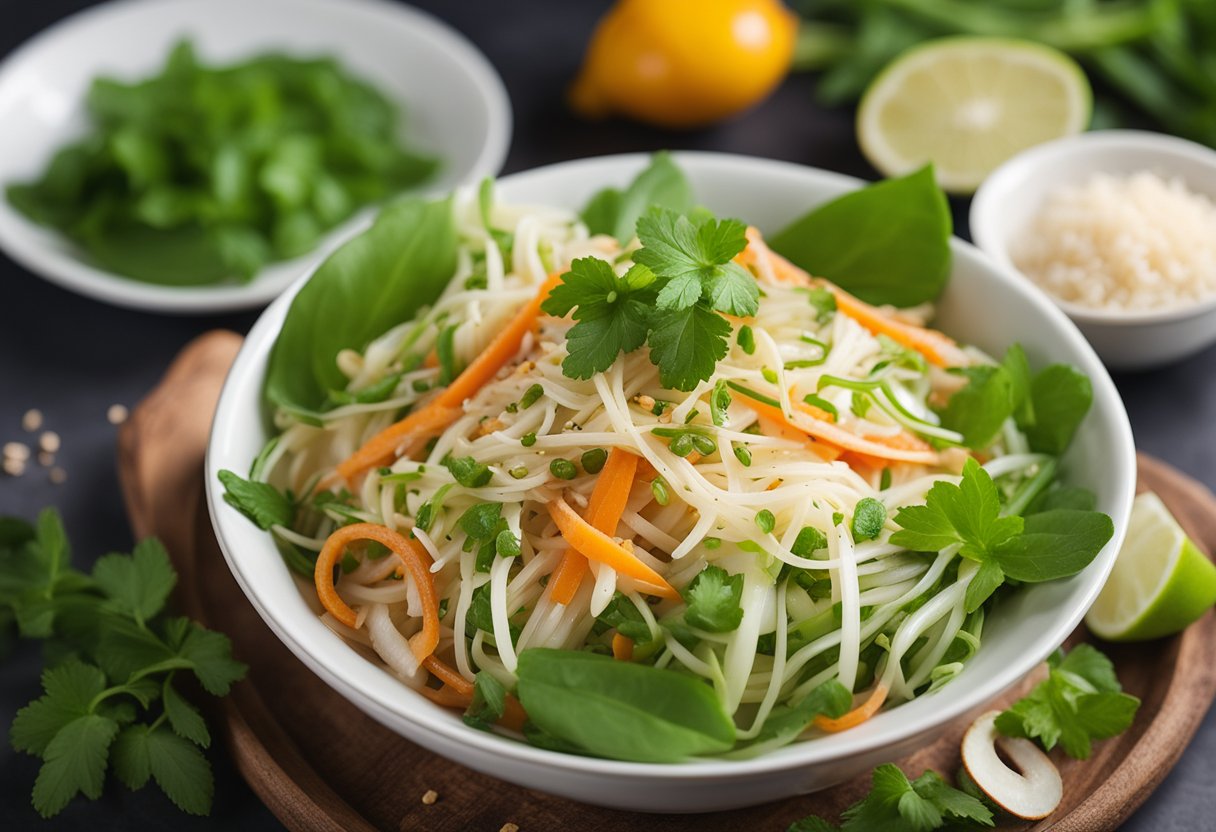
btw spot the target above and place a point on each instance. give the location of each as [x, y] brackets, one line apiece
[622, 648]
[441, 410]
[604, 511]
[935, 346]
[413, 557]
[841, 438]
[513, 716]
[450, 677]
[856, 716]
[596, 545]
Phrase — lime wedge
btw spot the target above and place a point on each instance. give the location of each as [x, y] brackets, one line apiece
[967, 104]
[1161, 582]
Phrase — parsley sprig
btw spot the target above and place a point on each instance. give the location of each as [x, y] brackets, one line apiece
[897, 804]
[671, 299]
[110, 695]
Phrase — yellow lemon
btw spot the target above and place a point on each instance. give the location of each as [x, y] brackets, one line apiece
[684, 63]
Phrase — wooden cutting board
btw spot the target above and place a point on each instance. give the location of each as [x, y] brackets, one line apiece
[319, 764]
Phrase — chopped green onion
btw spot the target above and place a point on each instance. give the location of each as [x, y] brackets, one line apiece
[719, 401]
[809, 540]
[506, 544]
[528, 440]
[743, 455]
[752, 394]
[712, 543]
[421, 385]
[519, 472]
[746, 339]
[658, 487]
[681, 445]
[594, 459]
[692, 414]
[766, 521]
[822, 404]
[703, 444]
[884, 482]
[563, 469]
[769, 375]
[531, 395]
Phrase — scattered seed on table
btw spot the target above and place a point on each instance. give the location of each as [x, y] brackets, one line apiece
[13, 467]
[49, 441]
[58, 476]
[430, 797]
[16, 450]
[117, 414]
[32, 420]
[46, 459]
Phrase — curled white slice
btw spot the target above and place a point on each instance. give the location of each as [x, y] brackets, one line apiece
[388, 641]
[1032, 792]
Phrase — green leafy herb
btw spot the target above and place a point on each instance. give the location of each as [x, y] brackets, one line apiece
[809, 541]
[823, 404]
[372, 394]
[824, 303]
[622, 615]
[593, 460]
[370, 284]
[531, 396]
[766, 521]
[886, 243]
[786, 722]
[468, 472]
[1041, 547]
[563, 469]
[621, 710]
[1061, 396]
[114, 700]
[719, 403]
[896, 804]
[528, 440]
[978, 410]
[616, 212]
[445, 351]
[1080, 701]
[746, 339]
[744, 455]
[658, 487]
[489, 702]
[201, 175]
[869, 516]
[695, 261]
[261, 502]
[713, 599]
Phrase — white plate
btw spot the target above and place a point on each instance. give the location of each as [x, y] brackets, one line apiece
[455, 107]
[984, 304]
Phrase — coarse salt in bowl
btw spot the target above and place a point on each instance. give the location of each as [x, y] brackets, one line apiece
[1119, 228]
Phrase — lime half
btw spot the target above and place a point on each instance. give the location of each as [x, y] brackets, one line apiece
[967, 104]
[1161, 582]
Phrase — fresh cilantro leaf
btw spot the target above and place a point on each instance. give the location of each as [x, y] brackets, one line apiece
[1061, 396]
[468, 472]
[623, 615]
[74, 761]
[697, 260]
[1080, 701]
[69, 690]
[489, 702]
[978, 410]
[869, 516]
[1054, 544]
[967, 513]
[480, 521]
[713, 599]
[823, 302]
[612, 314]
[177, 766]
[184, 718]
[896, 805]
[809, 541]
[137, 584]
[687, 345]
[261, 502]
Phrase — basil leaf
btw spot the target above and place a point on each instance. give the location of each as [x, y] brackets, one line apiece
[1061, 396]
[371, 283]
[1054, 544]
[886, 243]
[980, 409]
[621, 710]
[616, 212]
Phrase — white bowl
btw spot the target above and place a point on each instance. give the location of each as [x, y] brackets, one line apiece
[455, 107]
[1009, 199]
[984, 304]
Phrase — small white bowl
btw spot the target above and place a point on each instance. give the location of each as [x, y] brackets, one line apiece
[454, 103]
[984, 304]
[1007, 202]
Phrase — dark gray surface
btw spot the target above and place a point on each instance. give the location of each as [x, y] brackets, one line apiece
[72, 357]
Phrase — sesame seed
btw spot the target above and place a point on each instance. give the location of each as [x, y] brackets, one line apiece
[46, 459]
[509, 827]
[117, 414]
[430, 797]
[49, 441]
[58, 476]
[13, 467]
[16, 450]
[32, 420]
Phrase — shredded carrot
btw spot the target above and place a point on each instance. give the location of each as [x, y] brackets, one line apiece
[856, 716]
[450, 677]
[622, 648]
[446, 406]
[935, 346]
[604, 511]
[596, 545]
[432, 359]
[413, 557]
[457, 692]
[878, 447]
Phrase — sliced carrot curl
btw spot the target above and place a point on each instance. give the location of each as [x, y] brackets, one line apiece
[856, 716]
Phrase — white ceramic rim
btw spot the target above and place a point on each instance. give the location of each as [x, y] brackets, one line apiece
[1021, 168]
[71, 273]
[258, 343]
